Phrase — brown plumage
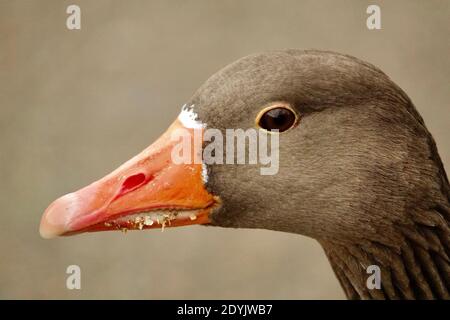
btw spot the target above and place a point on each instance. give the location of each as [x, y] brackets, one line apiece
[360, 173]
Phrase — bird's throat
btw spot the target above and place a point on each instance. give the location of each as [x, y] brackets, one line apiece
[418, 267]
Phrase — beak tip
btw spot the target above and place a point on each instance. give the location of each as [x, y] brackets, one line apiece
[45, 234]
[54, 219]
[48, 230]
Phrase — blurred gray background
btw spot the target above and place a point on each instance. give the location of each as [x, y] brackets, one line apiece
[76, 104]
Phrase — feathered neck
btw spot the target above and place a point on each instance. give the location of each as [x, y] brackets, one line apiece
[416, 267]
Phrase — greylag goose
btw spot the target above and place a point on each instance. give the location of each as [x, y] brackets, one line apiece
[358, 171]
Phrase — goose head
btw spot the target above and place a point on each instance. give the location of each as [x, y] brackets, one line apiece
[356, 169]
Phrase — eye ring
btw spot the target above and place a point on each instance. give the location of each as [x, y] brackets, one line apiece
[291, 118]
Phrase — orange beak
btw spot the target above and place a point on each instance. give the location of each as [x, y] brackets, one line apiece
[148, 191]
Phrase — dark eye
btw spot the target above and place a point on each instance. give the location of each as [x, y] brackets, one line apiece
[279, 118]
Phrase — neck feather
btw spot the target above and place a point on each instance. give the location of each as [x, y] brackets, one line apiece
[416, 267]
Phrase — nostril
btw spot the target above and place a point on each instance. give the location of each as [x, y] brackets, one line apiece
[133, 182]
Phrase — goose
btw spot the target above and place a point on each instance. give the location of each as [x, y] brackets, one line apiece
[358, 171]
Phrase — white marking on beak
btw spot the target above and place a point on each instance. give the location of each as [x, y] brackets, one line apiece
[204, 173]
[189, 118]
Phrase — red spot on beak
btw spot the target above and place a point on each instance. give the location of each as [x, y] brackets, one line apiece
[132, 183]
